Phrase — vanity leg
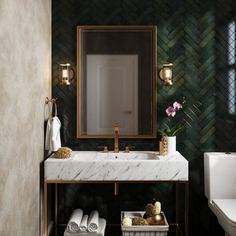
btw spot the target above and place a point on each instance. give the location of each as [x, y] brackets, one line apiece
[186, 208]
[45, 209]
[116, 189]
[56, 209]
[177, 209]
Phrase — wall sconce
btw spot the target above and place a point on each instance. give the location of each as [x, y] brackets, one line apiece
[67, 74]
[165, 74]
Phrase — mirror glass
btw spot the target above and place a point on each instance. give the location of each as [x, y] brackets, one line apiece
[116, 71]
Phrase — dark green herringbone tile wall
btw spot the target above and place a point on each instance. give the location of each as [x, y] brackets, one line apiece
[191, 34]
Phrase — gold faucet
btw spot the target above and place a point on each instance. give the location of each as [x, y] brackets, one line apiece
[116, 138]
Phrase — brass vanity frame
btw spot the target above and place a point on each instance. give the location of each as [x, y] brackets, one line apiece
[153, 30]
[177, 183]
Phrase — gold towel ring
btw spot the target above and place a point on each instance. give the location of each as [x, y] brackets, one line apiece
[53, 100]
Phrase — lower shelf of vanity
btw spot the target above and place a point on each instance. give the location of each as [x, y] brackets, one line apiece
[115, 230]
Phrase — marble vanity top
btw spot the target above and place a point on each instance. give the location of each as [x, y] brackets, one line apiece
[133, 166]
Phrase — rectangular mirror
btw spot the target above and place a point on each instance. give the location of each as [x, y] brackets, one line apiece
[116, 72]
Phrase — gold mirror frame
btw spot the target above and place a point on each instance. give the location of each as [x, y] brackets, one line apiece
[153, 30]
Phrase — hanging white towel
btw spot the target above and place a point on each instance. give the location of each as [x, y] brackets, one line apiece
[53, 138]
[93, 222]
[84, 224]
[100, 232]
[74, 222]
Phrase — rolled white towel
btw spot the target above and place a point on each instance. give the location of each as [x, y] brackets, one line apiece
[93, 222]
[74, 222]
[100, 232]
[84, 224]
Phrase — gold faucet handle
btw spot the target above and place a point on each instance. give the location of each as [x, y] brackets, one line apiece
[127, 148]
[105, 148]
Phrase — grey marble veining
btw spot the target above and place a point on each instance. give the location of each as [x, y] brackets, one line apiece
[135, 166]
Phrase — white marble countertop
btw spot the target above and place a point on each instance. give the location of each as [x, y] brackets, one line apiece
[134, 166]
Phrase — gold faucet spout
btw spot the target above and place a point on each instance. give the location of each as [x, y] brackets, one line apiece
[116, 138]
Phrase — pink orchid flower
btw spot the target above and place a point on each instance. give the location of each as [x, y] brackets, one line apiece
[177, 106]
[170, 111]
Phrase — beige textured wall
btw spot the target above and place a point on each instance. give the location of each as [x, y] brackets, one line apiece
[25, 71]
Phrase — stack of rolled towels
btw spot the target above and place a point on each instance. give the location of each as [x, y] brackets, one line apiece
[83, 225]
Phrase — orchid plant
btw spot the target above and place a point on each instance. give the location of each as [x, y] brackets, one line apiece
[171, 111]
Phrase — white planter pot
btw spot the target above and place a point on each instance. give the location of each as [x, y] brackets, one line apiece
[171, 145]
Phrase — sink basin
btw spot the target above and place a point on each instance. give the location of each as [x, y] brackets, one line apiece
[132, 166]
[131, 156]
